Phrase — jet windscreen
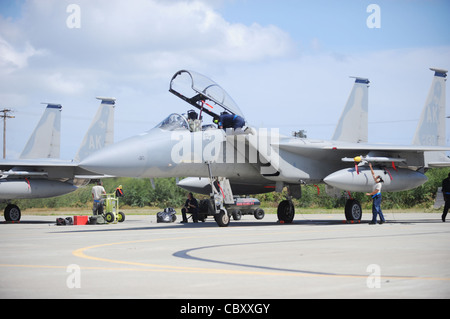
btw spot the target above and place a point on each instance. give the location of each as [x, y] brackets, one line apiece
[173, 122]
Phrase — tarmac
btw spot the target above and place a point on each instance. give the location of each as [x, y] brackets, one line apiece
[317, 256]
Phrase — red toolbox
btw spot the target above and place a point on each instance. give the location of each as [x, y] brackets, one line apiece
[80, 220]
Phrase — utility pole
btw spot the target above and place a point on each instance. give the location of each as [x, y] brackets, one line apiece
[5, 116]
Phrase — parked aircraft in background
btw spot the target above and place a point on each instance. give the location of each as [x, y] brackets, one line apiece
[39, 173]
[44, 142]
[262, 159]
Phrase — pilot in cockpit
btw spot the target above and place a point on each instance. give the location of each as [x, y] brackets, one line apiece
[195, 124]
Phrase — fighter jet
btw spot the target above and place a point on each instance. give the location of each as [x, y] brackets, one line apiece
[258, 160]
[39, 173]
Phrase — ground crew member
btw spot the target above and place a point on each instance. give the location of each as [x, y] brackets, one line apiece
[119, 191]
[97, 192]
[231, 121]
[376, 196]
[191, 206]
[446, 192]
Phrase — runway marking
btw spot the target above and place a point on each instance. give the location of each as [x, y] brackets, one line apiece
[183, 269]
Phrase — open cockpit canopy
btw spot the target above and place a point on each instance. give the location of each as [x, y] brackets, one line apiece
[203, 93]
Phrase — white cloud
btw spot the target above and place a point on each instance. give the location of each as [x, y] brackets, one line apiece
[12, 59]
[117, 28]
[127, 49]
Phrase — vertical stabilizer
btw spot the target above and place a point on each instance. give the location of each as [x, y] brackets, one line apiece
[101, 131]
[431, 129]
[44, 142]
[353, 124]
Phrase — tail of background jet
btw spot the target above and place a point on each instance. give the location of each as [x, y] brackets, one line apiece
[44, 142]
[353, 124]
[101, 131]
[431, 130]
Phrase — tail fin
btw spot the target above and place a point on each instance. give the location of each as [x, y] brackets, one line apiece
[353, 124]
[101, 131]
[431, 129]
[44, 142]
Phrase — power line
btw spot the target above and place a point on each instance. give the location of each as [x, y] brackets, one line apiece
[5, 116]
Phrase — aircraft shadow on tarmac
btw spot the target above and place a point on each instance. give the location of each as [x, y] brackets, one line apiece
[26, 222]
[211, 224]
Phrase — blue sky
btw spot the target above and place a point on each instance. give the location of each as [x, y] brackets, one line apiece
[286, 63]
[341, 25]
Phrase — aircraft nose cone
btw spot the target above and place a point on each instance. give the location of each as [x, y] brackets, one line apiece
[121, 159]
[99, 162]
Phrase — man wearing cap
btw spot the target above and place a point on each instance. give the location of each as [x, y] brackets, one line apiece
[191, 206]
[376, 196]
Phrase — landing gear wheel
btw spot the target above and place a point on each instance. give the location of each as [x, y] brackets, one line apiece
[12, 213]
[120, 217]
[222, 218]
[353, 210]
[259, 213]
[286, 211]
[237, 215]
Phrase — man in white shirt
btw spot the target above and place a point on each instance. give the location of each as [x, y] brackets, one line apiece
[376, 196]
[97, 192]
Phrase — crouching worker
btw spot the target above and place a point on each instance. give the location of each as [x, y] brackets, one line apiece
[191, 207]
[97, 192]
[233, 121]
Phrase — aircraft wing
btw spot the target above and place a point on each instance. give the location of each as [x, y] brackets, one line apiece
[296, 145]
[412, 155]
[51, 169]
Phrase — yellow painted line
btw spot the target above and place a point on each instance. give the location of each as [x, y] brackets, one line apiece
[168, 268]
[81, 253]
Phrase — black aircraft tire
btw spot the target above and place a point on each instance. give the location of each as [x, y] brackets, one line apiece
[222, 218]
[286, 211]
[12, 213]
[259, 213]
[237, 214]
[353, 210]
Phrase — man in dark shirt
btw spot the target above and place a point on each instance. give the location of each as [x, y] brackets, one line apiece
[231, 121]
[191, 206]
[446, 192]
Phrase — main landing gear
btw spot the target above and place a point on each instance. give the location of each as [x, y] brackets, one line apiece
[353, 210]
[286, 211]
[12, 213]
